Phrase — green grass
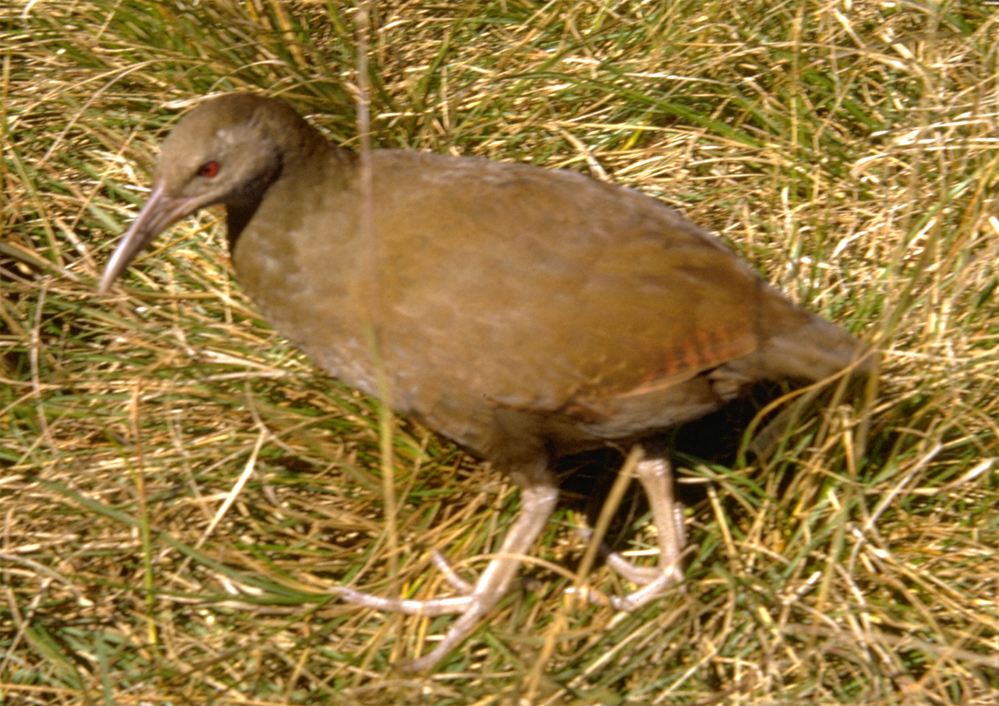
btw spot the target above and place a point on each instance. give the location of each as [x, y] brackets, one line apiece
[848, 150]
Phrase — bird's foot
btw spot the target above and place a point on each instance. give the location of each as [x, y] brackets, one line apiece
[475, 600]
[654, 581]
[656, 478]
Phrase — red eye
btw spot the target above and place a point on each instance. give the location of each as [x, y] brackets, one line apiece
[208, 170]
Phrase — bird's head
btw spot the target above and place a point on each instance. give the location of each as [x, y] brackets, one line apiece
[228, 150]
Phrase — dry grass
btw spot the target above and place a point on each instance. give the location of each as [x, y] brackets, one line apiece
[848, 149]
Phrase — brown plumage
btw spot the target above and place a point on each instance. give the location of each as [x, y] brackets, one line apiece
[523, 312]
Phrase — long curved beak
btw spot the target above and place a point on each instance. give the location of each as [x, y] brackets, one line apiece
[160, 212]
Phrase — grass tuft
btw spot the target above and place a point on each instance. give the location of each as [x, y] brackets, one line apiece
[848, 150]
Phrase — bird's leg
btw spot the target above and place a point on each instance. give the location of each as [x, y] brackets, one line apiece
[537, 504]
[657, 480]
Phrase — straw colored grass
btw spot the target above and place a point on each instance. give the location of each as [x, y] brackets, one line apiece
[179, 487]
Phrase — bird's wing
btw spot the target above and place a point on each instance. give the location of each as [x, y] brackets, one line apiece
[538, 288]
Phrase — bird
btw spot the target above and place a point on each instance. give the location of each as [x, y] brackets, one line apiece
[525, 313]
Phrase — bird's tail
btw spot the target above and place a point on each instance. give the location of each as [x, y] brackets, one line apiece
[816, 350]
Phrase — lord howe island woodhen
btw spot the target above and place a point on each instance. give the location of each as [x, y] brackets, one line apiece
[525, 313]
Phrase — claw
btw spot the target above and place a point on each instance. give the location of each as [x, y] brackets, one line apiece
[457, 583]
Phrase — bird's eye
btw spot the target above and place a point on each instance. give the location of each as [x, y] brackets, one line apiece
[208, 169]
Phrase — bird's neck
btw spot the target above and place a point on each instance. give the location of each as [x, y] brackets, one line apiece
[237, 215]
[302, 149]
